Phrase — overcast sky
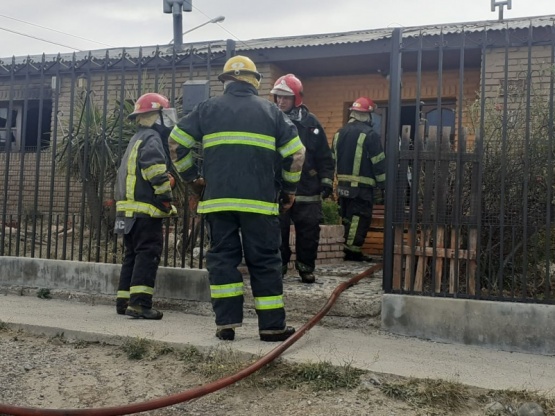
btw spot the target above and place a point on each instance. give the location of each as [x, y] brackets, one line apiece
[98, 24]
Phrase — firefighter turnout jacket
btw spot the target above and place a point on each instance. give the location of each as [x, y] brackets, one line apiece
[142, 186]
[318, 167]
[240, 134]
[359, 160]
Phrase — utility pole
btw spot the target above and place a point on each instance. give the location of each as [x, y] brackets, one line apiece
[175, 7]
[501, 4]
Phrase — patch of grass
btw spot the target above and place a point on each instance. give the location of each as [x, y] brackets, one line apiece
[137, 348]
[190, 355]
[3, 326]
[515, 398]
[141, 348]
[436, 394]
[325, 376]
[44, 294]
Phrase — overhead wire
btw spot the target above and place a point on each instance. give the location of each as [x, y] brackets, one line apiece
[54, 30]
[219, 24]
[41, 39]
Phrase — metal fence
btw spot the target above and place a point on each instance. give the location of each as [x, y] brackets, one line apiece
[63, 130]
[470, 210]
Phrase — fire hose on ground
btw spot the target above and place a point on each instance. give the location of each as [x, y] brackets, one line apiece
[204, 389]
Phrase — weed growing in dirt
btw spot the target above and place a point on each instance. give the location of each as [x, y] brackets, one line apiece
[136, 348]
[44, 294]
[514, 398]
[3, 326]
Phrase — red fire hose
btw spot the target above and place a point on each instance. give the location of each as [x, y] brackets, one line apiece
[201, 390]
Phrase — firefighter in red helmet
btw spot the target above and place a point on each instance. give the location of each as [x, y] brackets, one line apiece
[316, 181]
[144, 196]
[360, 168]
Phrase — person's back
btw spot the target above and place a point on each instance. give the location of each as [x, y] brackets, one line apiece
[242, 136]
[360, 168]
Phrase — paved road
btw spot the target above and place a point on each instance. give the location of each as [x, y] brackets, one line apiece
[370, 350]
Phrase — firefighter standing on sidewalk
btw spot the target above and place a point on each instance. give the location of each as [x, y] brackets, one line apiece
[243, 137]
[316, 180]
[144, 196]
[360, 167]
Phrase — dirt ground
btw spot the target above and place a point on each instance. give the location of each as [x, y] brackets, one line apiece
[53, 373]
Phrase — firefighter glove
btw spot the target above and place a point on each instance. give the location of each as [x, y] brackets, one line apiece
[286, 201]
[171, 179]
[197, 186]
[326, 191]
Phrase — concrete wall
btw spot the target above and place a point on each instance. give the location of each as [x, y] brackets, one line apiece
[99, 278]
[515, 327]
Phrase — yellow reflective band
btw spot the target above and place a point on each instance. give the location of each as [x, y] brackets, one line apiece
[378, 158]
[141, 290]
[184, 139]
[154, 170]
[380, 178]
[355, 180]
[185, 163]
[131, 178]
[353, 230]
[358, 154]
[292, 147]
[242, 205]
[313, 198]
[327, 181]
[268, 303]
[124, 294]
[239, 137]
[230, 290]
[162, 189]
[131, 207]
[292, 177]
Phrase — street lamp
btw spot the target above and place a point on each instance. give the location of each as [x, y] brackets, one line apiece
[217, 19]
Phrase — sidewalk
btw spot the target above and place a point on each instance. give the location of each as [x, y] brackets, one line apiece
[369, 349]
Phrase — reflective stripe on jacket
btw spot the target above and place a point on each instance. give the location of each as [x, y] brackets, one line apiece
[359, 157]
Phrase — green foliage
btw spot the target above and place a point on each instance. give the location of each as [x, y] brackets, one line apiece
[137, 348]
[330, 209]
[517, 176]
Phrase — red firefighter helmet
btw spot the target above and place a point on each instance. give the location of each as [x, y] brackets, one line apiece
[363, 105]
[148, 103]
[289, 85]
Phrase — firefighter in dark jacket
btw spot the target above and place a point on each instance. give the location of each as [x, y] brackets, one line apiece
[242, 135]
[360, 168]
[144, 196]
[316, 180]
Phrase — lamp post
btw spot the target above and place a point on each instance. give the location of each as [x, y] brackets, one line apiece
[217, 19]
[175, 7]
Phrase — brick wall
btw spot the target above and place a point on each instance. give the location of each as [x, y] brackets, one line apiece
[330, 249]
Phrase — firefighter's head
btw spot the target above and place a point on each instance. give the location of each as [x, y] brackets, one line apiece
[288, 92]
[153, 108]
[240, 68]
[362, 109]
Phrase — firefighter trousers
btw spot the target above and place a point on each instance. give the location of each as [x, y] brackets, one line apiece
[257, 238]
[356, 214]
[143, 248]
[306, 218]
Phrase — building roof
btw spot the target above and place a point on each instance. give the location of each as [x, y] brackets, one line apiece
[302, 41]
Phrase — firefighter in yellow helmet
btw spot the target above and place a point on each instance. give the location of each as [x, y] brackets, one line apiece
[144, 196]
[247, 143]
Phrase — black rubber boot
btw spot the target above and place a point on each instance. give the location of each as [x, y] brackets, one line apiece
[356, 256]
[226, 334]
[278, 337]
[142, 312]
[307, 277]
[121, 305]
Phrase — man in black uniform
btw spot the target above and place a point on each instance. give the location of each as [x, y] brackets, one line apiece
[242, 136]
[360, 168]
[316, 180]
[144, 195]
